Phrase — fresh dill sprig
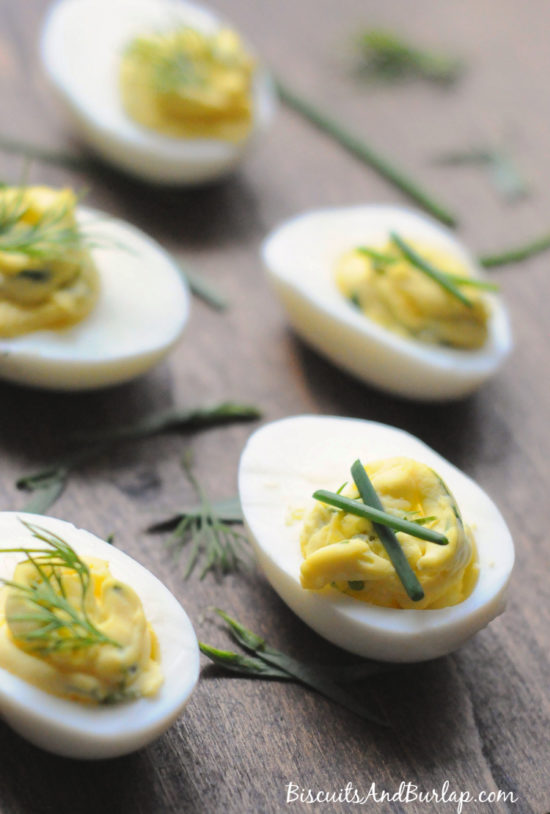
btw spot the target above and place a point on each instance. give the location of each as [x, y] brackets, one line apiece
[208, 530]
[55, 623]
[172, 68]
[174, 419]
[267, 662]
[203, 289]
[36, 152]
[48, 484]
[355, 145]
[502, 171]
[50, 236]
[388, 56]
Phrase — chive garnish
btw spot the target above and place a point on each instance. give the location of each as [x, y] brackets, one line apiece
[387, 536]
[379, 516]
[472, 282]
[430, 270]
[518, 254]
[378, 257]
[364, 152]
[381, 259]
[422, 521]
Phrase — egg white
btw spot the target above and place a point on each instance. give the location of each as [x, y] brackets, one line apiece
[282, 465]
[300, 257]
[142, 309]
[75, 730]
[82, 44]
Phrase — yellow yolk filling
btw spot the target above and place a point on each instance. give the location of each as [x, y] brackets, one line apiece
[403, 299]
[100, 673]
[47, 277]
[343, 552]
[187, 84]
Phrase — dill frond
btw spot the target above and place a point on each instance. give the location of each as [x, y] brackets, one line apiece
[56, 624]
[166, 55]
[208, 530]
[51, 236]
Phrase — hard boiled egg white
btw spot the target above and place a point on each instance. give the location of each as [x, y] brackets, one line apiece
[82, 44]
[142, 308]
[285, 462]
[300, 258]
[76, 730]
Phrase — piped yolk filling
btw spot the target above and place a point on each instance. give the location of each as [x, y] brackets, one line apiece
[343, 552]
[48, 279]
[100, 673]
[186, 84]
[403, 299]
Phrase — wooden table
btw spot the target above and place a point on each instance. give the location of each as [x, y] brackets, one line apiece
[479, 718]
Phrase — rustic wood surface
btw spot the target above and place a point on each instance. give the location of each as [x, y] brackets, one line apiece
[480, 718]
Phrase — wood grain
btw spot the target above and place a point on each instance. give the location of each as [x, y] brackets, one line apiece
[480, 718]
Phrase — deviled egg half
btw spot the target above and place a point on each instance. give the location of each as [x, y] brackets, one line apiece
[160, 88]
[389, 295]
[331, 566]
[86, 300]
[97, 657]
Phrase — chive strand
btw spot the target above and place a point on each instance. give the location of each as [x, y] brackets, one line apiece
[435, 274]
[380, 258]
[472, 282]
[387, 536]
[518, 254]
[361, 150]
[380, 517]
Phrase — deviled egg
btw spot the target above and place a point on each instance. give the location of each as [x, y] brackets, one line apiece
[86, 300]
[329, 564]
[174, 96]
[389, 295]
[97, 658]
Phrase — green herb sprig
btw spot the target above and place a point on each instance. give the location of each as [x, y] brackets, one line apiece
[48, 237]
[267, 662]
[35, 152]
[516, 254]
[382, 259]
[502, 171]
[387, 536]
[430, 270]
[364, 152]
[57, 623]
[204, 290]
[208, 530]
[378, 515]
[175, 420]
[48, 484]
[386, 55]
[172, 67]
